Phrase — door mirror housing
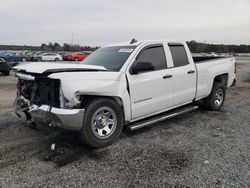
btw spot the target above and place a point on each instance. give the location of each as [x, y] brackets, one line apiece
[142, 67]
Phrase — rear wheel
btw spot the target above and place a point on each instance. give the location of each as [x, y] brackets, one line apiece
[216, 98]
[103, 123]
[57, 59]
[76, 59]
[24, 59]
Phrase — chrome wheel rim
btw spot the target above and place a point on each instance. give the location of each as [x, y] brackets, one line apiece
[103, 122]
[219, 97]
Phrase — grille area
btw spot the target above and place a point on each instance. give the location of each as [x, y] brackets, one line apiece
[41, 91]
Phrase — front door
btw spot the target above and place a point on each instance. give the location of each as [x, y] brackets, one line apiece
[151, 91]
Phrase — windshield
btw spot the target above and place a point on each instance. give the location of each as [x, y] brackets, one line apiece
[111, 58]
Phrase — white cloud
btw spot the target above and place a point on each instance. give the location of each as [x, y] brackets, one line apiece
[101, 22]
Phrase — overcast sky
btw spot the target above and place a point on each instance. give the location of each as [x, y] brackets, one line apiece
[101, 22]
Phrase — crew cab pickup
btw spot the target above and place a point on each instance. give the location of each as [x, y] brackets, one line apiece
[130, 84]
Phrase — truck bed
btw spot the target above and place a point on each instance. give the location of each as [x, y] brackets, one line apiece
[208, 70]
[202, 59]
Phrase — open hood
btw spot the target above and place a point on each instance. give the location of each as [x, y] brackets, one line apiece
[41, 68]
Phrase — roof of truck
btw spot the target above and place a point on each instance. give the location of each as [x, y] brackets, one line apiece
[144, 41]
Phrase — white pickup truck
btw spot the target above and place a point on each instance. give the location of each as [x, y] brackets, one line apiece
[131, 84]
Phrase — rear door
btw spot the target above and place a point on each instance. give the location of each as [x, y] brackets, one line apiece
[151, 91]
[51, 57]
[81, 56]
[45, 57]
[184, 74]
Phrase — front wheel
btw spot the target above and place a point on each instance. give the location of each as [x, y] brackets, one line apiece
[6, 73]
[216, 98]
[103, 123]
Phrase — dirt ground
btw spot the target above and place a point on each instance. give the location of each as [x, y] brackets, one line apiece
[198, 149]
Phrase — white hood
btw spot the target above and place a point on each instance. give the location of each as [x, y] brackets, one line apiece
[43, 67]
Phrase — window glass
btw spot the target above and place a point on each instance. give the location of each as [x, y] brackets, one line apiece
[179, 55]
[154, 55]
[111, 58]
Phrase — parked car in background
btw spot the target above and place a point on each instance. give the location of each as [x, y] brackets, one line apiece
[36, 55]
[49, 57]
[78, 56]
[4, 67]
[25, 56]
[64, 55]
[11, 57]
[2, 52]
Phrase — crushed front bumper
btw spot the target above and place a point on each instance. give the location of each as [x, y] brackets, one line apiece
[70, 119]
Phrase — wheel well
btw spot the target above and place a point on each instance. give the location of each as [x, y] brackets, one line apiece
[223, 78]
[86, 99]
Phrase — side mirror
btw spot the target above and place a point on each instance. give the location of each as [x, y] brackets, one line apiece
[142, 67]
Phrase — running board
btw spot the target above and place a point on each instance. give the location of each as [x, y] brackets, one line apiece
[159, 118]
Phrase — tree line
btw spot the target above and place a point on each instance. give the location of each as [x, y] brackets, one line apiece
[50, 47]
[66, 47]
[195, 47]
[199, 47]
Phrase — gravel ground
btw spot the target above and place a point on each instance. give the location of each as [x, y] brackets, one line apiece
[198, 149]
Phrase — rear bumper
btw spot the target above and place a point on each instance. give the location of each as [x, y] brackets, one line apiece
[70, 119]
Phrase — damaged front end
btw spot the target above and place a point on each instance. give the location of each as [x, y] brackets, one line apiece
[41, 99]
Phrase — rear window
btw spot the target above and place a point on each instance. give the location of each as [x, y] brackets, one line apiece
[80, 53]
[179, 55]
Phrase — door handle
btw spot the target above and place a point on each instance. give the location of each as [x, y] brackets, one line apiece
[191, 72]
[167, 76]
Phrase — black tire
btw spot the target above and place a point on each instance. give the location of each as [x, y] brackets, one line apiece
[76, 59]
[216, 98]
[56, 59]
[39, 59]
[24, 59]
[88, 134]
[6, 73]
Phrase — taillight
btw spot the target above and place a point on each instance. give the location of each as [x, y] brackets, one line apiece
[235, 67]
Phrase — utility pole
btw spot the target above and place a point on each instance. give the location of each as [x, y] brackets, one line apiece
[72, 39]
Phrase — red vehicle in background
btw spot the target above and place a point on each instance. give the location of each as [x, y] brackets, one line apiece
[77, 56]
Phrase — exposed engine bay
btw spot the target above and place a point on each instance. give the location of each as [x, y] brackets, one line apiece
[40, 91]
